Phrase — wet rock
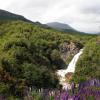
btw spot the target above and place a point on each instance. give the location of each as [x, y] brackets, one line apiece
[68, 50]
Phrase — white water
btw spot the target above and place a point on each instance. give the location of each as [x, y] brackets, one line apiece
[71, 68]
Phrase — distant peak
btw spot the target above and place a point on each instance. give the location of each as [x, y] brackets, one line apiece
[60, 26]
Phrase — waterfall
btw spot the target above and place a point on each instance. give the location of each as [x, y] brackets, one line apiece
[71, 68]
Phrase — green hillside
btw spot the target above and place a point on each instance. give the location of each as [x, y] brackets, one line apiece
[29, 56]
[88, 66]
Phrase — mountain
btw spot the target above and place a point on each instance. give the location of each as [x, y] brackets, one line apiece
[61, 27]
[5, 15]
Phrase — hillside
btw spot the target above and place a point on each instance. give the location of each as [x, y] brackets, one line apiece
[30, 55]
[5, 15]
[88, 66]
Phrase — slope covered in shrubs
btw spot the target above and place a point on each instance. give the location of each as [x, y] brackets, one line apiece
[29, 56]
[88, 65]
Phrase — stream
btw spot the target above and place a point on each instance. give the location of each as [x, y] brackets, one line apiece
[70, 69]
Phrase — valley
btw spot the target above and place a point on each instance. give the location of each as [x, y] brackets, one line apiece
[32, 53]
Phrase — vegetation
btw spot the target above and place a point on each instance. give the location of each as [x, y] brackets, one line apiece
[88, 91]
[29, 56]
[88, 65]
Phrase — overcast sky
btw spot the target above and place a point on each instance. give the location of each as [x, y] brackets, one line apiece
[83, 15]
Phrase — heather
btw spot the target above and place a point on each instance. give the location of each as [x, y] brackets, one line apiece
[89, 90]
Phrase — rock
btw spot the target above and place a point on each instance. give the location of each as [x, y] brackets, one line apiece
[68, 76]
[69, 49]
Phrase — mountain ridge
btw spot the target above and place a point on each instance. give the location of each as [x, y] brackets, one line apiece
[6, 15]
[61, 27]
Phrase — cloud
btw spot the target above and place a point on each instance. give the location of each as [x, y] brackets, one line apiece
[5, 3]
[90, 7]
[84, 15]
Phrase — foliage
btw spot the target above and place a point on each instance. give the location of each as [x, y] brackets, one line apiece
[85, 93]
[88, 65]
[29, 55]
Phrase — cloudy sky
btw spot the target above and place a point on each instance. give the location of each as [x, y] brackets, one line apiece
[83, 15]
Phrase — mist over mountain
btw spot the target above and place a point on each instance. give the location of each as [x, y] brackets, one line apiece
[61, 27]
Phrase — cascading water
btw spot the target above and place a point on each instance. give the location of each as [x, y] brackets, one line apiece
[71, 68]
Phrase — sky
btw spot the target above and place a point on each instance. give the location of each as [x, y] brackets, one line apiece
[82, 15]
